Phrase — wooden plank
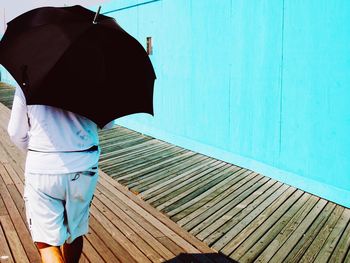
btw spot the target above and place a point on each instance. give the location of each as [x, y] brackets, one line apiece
[113, 146]
[121, 143]
[199, 186]
[108, 147]
[141, 169]
[5, 176]
[179, 175]
[163, 223]
[118, 235]
[180, 212]
[12, 154]
[3, 210]
[19, 172]
[152, 220]
[125, 222]
[283, 233]
[83, 259]
[4, 116]
[122, 134]
[190, 186]
[147, 153]
[177, 171]
[16, 189]
[17, 220]
[295, 235]
[237, 213]
[101, 247]
[304, 243]
[116, 130]
[3, 154]
[13, 240]
[145, 164]
[321, 238]
[18, 200]
[143, 159]
[222, 207]
[118, 137]
[265, 234]
[164, 176]
[203, 212]
[119, 155]
[229, 242]
[234, 225]
[14, 176]
[118, 250]
[130, 212]
[129, 142]
[90, 252]
[110, 153]
[5, 252]
[332, 240]
[143, 181]
[184, 181]
[347, 257]
[171, 248]
[342, 247]
[171, 245]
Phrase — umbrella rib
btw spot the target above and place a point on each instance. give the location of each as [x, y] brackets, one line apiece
[96, 15]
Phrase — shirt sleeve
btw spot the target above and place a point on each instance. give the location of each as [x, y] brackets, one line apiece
[18, 126]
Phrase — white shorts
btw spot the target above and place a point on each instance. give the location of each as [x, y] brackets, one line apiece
[57, 205]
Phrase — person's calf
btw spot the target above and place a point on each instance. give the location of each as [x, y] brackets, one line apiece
[72, 252]
[49, 254]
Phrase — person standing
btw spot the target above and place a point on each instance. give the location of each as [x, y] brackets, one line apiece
[61, 174]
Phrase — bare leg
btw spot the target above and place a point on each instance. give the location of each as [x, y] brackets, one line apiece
[71, 252]
[50, 254]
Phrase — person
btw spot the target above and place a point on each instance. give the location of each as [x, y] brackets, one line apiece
[61, 173]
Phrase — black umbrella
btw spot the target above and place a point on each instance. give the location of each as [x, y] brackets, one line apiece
[64, 58]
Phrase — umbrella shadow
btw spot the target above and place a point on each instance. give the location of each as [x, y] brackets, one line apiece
[201, 257]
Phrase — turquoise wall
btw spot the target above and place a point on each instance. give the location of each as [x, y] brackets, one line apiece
[261, 84]
[7, 77]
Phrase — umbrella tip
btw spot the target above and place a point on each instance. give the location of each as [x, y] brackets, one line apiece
[96, 15]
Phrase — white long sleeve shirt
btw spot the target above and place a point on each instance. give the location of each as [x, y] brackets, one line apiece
[52, 135]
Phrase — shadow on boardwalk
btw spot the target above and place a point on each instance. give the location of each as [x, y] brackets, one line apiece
[198, 258]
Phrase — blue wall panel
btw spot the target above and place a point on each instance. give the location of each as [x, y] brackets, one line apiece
[255, 79]
[7, 77]
[316, 120]
[261, 84]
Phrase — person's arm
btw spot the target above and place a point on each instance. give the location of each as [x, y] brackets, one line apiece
[18, 126]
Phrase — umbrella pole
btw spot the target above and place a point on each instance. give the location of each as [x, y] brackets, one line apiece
[96, 15]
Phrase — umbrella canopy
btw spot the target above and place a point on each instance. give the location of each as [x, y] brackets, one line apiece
[60, 58]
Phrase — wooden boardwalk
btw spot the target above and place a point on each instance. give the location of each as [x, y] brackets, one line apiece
[123, 228]
[244, 215]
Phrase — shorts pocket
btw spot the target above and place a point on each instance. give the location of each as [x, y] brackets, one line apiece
[82, 186]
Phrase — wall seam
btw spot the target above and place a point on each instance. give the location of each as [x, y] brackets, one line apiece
[281, 82]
